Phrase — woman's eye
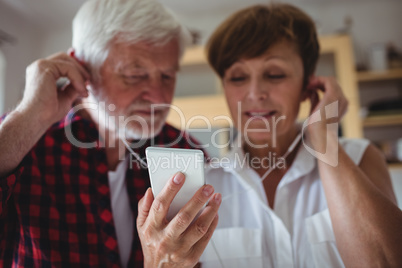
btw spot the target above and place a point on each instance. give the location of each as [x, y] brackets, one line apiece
[275, 76]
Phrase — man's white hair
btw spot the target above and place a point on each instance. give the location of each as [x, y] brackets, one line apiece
[99, 22]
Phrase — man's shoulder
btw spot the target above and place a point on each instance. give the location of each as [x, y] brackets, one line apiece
[70, 131]
[178, 138]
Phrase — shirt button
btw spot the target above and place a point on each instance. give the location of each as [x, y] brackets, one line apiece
[112, 256]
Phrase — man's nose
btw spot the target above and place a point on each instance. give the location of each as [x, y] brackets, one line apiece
[153, 91]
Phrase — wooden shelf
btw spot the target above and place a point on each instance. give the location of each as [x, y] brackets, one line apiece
[194, 55]
[383, 120]
[379, 76]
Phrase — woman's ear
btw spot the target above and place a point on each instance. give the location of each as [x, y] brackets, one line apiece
[306, 91]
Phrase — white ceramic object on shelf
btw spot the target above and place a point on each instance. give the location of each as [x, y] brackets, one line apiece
[378, 57]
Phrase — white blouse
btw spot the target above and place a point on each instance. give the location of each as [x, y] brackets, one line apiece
[296, 233]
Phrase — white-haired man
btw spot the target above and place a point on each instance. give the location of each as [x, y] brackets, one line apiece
[68, 194]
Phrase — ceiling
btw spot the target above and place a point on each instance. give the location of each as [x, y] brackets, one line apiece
[54, 14]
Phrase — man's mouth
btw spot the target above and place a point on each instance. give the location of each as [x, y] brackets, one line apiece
[147, 113]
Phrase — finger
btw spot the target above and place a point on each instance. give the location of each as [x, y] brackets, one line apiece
[161, 204]
[328, 84]
[73, 70]
[200, 246]
[325, 84]
[144, 206]
[187, 214]
[78, 64]
[67, 97]
[82, 70]
[316, 83]
[69, 69]
[201, 226]
[71, 53]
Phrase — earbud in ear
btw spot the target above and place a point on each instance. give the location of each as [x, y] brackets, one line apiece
[89, 87]
[71, 52]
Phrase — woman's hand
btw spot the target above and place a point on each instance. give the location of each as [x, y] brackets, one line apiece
[326, 112]
[362, 206]
[180, 242]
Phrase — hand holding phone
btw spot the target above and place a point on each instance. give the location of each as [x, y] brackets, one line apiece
[183, 237]
[163, 163]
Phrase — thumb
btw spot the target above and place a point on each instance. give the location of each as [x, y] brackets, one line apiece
[67, 96]
[144, 205]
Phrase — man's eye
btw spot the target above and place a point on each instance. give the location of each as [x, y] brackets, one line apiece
[166, 77]
[133, 78]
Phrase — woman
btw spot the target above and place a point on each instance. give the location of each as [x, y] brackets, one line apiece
[301, 189]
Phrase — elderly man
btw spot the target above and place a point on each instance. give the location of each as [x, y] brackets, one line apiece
[68, 194]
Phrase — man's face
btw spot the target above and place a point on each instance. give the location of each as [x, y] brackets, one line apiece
[139, 80]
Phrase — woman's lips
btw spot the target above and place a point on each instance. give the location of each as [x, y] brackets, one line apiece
[260, 114]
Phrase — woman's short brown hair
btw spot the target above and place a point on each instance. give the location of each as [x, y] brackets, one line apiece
[249, 32]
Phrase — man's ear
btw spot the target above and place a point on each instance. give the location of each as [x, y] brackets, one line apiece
[71, 53]
[306, 89]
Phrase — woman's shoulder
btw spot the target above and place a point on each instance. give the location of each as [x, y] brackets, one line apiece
[355, 148]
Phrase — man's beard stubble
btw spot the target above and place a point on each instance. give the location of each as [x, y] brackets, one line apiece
[126, 123]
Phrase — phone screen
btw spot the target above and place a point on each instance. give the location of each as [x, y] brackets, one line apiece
[163, 163]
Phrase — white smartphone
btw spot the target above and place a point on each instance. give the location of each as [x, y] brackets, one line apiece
[163, 163]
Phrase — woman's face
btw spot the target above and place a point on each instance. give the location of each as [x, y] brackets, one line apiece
[264, 93]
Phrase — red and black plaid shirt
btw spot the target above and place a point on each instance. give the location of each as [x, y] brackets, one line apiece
[55, 209]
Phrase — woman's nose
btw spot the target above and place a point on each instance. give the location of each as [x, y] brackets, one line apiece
[258, 90]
